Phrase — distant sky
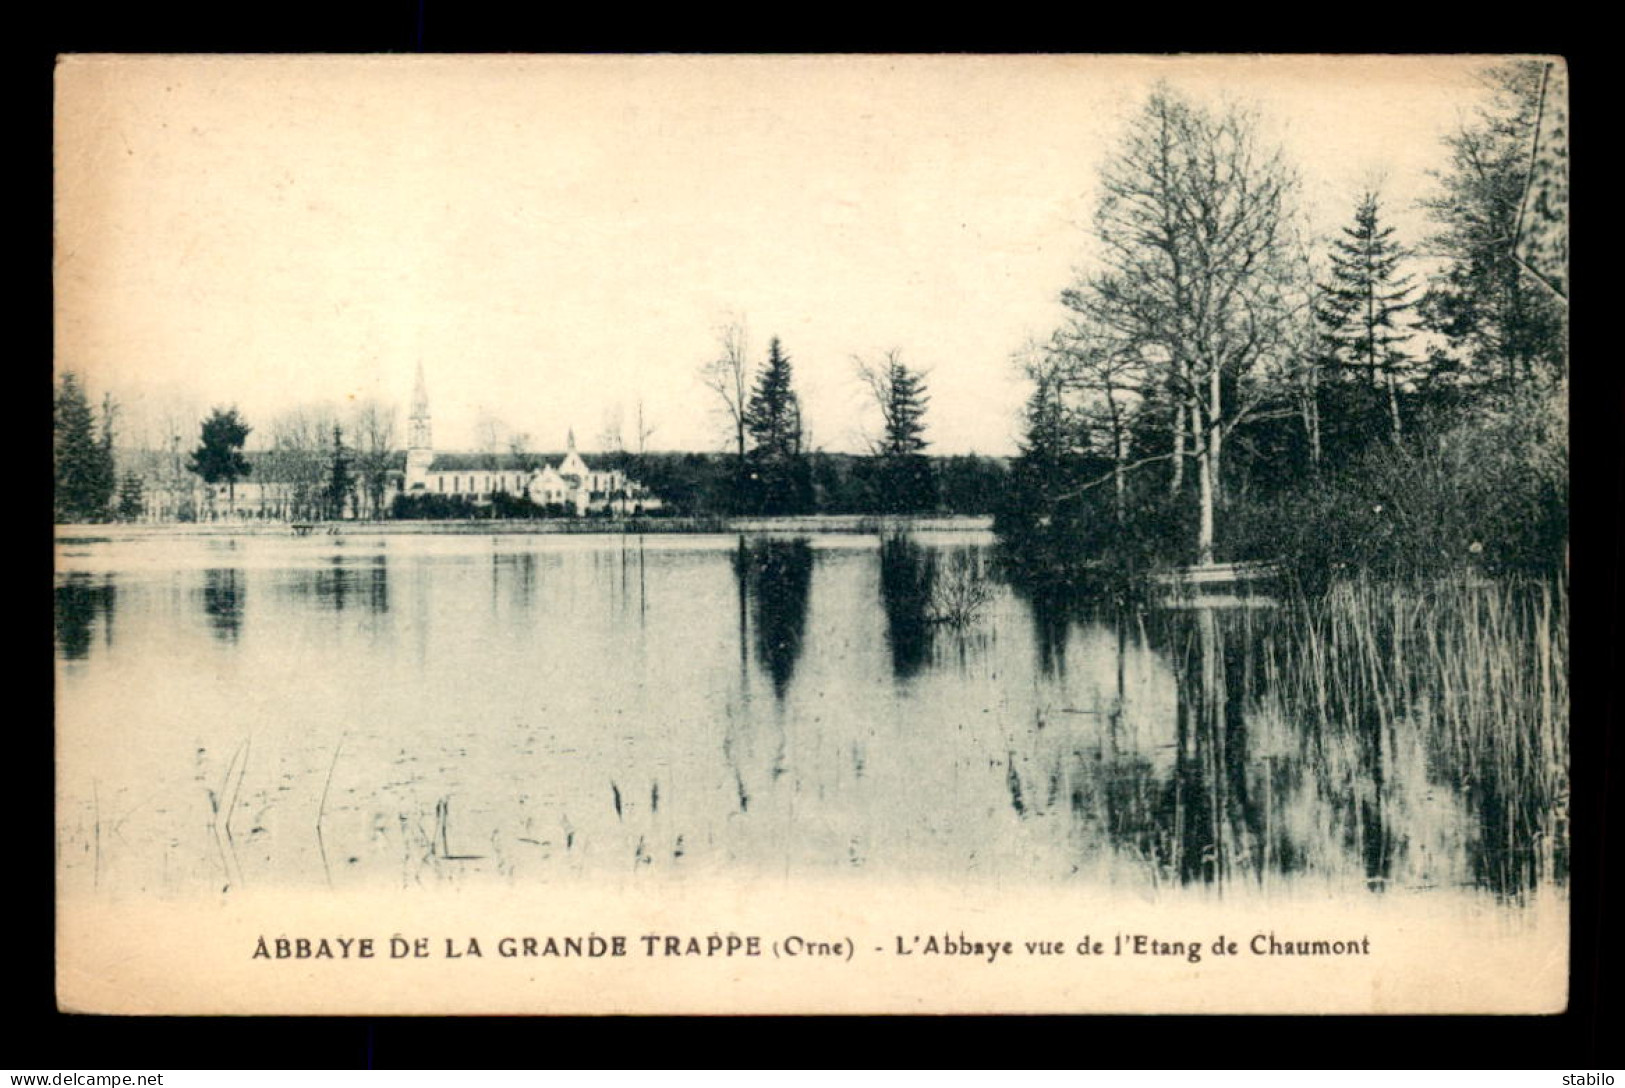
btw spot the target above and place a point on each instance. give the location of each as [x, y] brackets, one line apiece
[555, 238]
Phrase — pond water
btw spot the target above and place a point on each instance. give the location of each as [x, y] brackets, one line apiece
[374, 711]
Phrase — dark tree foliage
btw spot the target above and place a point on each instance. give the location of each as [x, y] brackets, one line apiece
[967, 484]
[219, 456]
[775, 576]
[1360, 311]
[1474, 471]
[85, 478]
[773, 416]
[433, 507]
[506, 506]
[778, 479]
[903, 477]
[904, 409]
[702, 484]
[1042, 514]
[908, 574]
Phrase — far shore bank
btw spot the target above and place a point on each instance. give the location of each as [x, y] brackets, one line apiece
[815, 523]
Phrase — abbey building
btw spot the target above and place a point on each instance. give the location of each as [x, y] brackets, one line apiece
[572, 484]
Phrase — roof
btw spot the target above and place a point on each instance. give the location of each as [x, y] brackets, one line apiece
[499, 462]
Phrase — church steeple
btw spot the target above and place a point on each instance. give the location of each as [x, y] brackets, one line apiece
[419, 436]
[572, 467]
[419, 442]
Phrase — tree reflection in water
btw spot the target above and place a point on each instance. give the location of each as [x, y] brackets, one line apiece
[347, 580]
[775, 577]
[224, 589]
[81, 600]
[1377, 737]
[1361, 739]
[908, 574]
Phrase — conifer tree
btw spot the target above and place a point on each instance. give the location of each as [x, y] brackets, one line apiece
[219, 457]
[83, 460]
[904, 477]
[783, 480]
[1053, 437]
[1359, 309]
[773, 416]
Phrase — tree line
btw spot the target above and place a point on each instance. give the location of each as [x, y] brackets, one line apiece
[330, 466]
[327, 467]
[775, 471]
[1224, 389]
[82, 454]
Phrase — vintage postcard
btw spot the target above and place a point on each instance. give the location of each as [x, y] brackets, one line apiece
[811, 534]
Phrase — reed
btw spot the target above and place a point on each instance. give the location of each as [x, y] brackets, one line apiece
[1470, 674]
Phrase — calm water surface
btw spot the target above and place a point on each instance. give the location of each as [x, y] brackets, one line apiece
[402, 710]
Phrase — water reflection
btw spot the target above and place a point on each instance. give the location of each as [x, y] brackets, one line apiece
[1221, 809]
[907, 578]
[1288, 760]
[224, 589]
[1054, 606]
[82, 601]
[1379, 741]
[516, 571]
[345, 581]
[775, 576]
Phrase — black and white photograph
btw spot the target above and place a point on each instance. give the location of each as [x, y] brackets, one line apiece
[811, 534]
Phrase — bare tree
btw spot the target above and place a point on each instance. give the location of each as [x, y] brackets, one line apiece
[524, 458]
[373, 425]
[488, 435]
[1109, 374]
[730, 376]
[176, 483]
[646, 431]
[1305, 360]
[300, 457]
[1194, 226]
[610, 439]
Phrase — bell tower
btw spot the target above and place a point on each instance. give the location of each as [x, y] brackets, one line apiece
[419, 440]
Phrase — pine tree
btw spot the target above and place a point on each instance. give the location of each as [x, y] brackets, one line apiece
[1035, 510]
[83, 460]
[1054, 436]
[782, 478]
[1359, 309]
[905, 411]
[219, 457]
[903, 474]
[773, 416]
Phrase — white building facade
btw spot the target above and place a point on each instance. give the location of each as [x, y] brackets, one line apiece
[571, 484]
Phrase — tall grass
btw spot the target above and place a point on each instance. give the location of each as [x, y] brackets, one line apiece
[1471, 674]
[1385, 735]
